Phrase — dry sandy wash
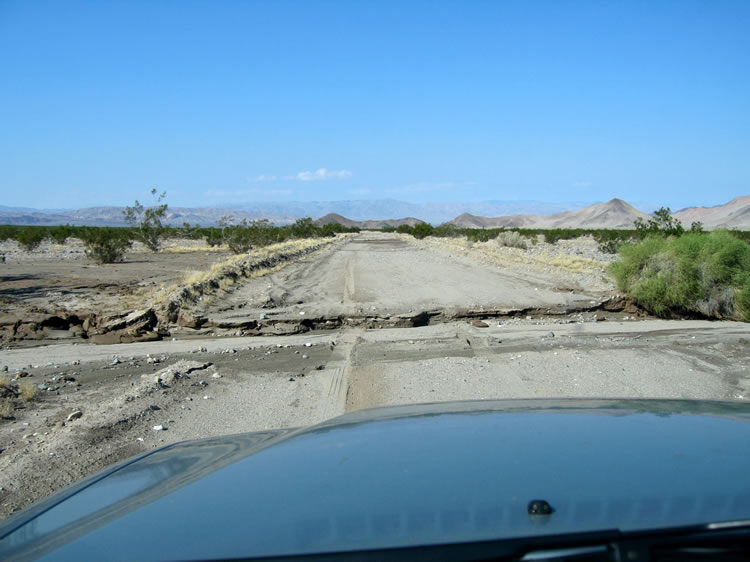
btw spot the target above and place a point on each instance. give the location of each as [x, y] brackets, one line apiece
[368, 320]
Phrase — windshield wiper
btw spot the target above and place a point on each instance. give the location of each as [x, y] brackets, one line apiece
[723, 542]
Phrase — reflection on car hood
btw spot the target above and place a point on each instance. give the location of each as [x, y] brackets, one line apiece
[404, 476]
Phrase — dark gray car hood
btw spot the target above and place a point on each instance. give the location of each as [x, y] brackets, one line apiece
[405, 476]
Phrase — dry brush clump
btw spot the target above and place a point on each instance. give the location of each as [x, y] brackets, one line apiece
[13, 394]
[511, 239]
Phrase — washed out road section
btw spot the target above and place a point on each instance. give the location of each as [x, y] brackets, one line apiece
[384, 275]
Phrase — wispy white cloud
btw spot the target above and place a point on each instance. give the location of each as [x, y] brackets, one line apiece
[262, 178]
[322, 174]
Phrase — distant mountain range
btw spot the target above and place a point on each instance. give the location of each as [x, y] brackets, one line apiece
[612, 214]
[112, 216]
[286, 212]
[372, 224]
[615, 213]
[363, 213]
[735, 214]
[434, 213]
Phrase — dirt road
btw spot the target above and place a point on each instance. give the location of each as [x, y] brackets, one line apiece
[381, 276]
[99, 404]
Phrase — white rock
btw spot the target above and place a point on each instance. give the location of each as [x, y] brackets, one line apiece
[74, 415]
[158, 428]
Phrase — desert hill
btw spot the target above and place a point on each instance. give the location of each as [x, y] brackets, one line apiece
[372, 224]
[734, 214]
[612, 214]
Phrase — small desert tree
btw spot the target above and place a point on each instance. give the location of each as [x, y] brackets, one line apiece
[147, 221]
[662, 224]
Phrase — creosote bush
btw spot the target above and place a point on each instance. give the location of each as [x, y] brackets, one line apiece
[146, 221]
[106, 245]
[29, 237]
[695, 273]
[243, 236]
[511, 239]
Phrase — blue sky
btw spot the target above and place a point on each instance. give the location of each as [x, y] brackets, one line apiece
[231, 102]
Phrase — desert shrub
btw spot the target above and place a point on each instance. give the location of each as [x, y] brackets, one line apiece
[6, 407]
[696, 273]
[610, 240]
[743, 235]
[421, 230]
[446, 230]
[243, 236]
[334, 228]
[304, 228]
[27, 390]
[213, 236]
[191, 232]
[105, 244]
[661, 224]
[146, 221]
[59, 234]
[511, 239]
[238, 237]
[481, 234]
[30, 237]
[403, 228]
[8, 232]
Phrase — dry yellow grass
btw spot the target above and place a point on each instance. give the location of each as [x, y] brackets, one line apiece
[27, 390]
[179, 249]
[217, 280]
[537, 257]
[6, 407]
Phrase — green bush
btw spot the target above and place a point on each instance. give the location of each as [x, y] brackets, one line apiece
[213, 236]
[304, 228]
[30, 237]
[512, 239]
[421, 230]
[146, 221]
[191, 232]
[334, 228]
[446, 230]
[105, 244]
[696, 273]
[482, 235]
[8, 232]
[662, 224]
[59, 234]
